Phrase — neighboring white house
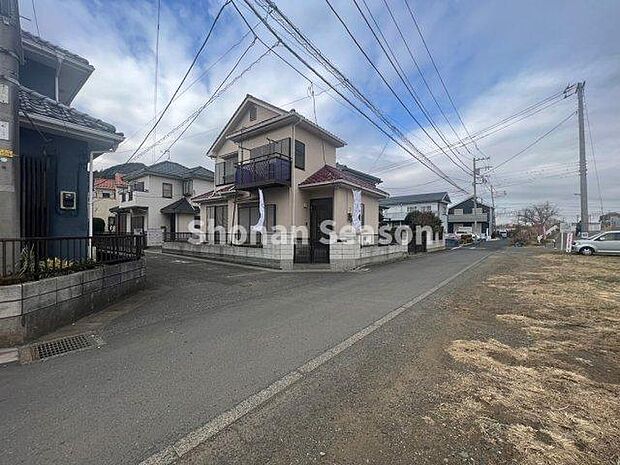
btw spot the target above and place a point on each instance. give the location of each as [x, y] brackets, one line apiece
[157, 200]
[395, 209]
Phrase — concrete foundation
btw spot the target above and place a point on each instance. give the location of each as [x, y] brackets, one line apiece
[32, 309]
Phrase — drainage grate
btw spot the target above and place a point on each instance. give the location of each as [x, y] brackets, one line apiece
[64, 345]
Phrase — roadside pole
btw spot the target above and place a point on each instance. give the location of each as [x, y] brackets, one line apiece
[475, 183]
[583, 177]
[10, 59]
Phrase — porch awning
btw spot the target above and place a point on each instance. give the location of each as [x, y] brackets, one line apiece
[217, 194]
[181, 206]
[332, 175]
[136, 209]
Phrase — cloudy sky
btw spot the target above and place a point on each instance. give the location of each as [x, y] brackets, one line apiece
[496, 58]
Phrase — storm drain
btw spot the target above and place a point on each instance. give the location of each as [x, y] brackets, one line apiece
[47, 349]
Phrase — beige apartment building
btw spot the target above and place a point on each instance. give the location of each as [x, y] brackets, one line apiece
[292, 161]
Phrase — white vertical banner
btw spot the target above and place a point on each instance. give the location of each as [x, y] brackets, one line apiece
[569, 242]
[356, 219]
[261, 211]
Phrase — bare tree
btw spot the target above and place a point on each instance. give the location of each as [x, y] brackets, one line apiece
[541, 216]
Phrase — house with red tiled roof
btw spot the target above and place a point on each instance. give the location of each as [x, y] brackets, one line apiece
[289, 161]
[106, 192]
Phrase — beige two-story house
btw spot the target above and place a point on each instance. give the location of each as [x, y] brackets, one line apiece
[292, 161]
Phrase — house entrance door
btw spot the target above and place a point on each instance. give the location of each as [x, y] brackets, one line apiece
[320, 211]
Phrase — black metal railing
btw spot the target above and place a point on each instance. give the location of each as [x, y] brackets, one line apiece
[265, 170]
[34, 258]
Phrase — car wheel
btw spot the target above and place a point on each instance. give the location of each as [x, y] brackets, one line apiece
[587, 251]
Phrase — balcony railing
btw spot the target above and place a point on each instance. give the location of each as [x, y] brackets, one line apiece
[468, 217]
[273, 169]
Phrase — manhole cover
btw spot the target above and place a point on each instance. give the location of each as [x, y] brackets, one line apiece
[53, 348]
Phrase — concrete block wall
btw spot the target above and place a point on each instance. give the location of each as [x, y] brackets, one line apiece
[349, 255]
[32, 309]
[278, 256]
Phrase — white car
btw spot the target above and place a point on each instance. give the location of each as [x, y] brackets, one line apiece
[607, 242]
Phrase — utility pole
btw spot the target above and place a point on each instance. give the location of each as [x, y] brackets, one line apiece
[475, 183]
[583, 178]
[10, 59]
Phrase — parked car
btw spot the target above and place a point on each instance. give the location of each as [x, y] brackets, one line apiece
[604, 243]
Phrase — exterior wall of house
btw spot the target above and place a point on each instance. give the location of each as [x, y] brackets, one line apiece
[101, 205]
[38, 77]
[67, 171]
[399, 212]
[462, 215]
[156, 222]
[291, 203]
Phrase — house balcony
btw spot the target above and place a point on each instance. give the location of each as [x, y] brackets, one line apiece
[468, 218]
[131, 199]
[268, 170]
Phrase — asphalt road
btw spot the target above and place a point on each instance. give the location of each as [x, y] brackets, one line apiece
[200, 339]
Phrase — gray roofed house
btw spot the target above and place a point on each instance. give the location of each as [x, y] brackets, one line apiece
[395, 209]
[416, 198]
[159, 202]
[170, 169]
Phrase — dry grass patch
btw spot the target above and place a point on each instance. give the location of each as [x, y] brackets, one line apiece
[556, 399]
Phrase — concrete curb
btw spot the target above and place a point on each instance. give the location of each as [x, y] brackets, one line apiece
[202, 434]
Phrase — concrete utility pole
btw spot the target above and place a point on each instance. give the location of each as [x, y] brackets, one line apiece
[475, 183]
[583, 177]
[10, 59]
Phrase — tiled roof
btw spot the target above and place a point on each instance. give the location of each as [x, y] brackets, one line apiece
[179, 207]
[105, 184]
[331, 174]
[54, 48]
[122, 169]
[33, 103]
[360, 174]
[416, 198]
[170, 169]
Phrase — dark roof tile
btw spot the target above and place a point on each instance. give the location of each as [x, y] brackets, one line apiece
[415, 198]
[33, 103]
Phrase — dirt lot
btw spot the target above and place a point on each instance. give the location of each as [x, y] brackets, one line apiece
[516, 363]
[554, 399]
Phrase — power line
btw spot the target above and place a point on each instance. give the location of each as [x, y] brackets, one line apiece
[419, 69]
[189, 120]
[570, 115]
[219, 91]
[352, 88]
[191, 84]
[496, 127]
[389, 86]
[598, 180]
[443, 84]
[189, 69]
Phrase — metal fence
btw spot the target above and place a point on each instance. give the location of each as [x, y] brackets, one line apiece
[34, 258]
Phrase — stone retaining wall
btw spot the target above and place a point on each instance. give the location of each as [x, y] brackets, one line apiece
[32, 309]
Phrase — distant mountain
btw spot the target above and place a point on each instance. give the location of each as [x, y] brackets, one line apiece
[124, 169]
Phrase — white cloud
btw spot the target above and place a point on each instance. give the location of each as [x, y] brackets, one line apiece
[496, 59]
